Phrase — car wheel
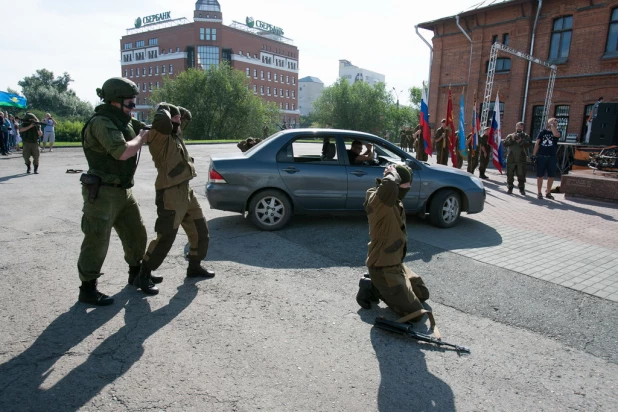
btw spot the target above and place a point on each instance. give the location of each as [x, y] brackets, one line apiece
[445, 208]
[270, 210]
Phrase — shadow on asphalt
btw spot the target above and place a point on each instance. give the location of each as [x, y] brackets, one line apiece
[405, 382]
[22, 379]
[342, 240]
[7, 178]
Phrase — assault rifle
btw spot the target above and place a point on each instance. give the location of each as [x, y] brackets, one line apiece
[406, 329]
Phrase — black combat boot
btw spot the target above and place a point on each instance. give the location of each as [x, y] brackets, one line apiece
[36, 169]
[522, 191]
[367, 293]
[88, 293]
[134, 271]
[510, 191]
[28, 169]
[195, 270]
[144, 282]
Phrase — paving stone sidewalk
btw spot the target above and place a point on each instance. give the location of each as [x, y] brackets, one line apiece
[571, 242]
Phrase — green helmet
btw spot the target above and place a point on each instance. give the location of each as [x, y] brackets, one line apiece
[29, 117]
[117, 89]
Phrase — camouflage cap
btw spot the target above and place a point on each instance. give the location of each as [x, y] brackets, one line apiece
[184, 113]
[404, 173]
[170, 108]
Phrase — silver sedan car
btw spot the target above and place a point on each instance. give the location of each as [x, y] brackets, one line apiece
[316, 171]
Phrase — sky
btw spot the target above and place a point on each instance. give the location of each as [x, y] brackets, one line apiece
[82, 37]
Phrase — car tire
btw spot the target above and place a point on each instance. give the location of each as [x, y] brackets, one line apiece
[445, 208]
[270, 210]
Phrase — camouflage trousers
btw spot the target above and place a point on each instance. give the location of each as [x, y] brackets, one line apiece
[31, 150]
[473, 160]
[176, 206]
[518, 169]
[113, 208]
[483, 162]
[442, 156]
[400, 288]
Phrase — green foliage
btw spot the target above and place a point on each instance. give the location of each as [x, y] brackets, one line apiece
[49, 94]
[364, 108]
[221, 103]
[357, 107]
[69, 131]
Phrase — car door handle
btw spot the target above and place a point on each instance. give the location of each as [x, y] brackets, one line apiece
[291, 169]
[358, 173]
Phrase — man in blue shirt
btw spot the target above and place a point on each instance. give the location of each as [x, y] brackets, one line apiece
[546, 159]
[49, 133]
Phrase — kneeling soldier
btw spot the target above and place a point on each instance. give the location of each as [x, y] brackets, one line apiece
[392, 281]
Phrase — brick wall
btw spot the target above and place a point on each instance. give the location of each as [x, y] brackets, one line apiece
[585, 75]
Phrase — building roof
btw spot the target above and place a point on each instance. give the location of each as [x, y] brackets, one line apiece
[484, 5]
[311, 79]
[207, 5]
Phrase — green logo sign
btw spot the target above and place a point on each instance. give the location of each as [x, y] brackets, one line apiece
[259, 24]
[155, 18]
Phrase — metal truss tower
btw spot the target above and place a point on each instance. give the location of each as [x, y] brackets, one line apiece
[491, 71]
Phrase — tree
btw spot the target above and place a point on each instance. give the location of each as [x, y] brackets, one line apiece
[49, 94]
[220, 102]
[355, 107]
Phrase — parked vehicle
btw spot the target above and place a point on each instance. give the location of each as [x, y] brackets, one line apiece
[306, 171]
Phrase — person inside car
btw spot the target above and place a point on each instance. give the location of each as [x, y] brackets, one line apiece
[354, 153]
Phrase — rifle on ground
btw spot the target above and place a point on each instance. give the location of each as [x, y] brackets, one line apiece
[406, 329]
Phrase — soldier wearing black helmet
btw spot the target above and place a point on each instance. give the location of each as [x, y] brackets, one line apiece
[111, 139]
[176, 203]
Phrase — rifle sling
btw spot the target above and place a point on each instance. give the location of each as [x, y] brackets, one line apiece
[432, 321]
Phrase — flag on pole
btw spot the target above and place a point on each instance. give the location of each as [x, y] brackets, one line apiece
[476, 127]
[462, 125]
[12, 100]
[451, 125]
[424, 122]
[495, 136]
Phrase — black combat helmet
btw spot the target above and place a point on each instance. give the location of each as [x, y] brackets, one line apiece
[117, 89]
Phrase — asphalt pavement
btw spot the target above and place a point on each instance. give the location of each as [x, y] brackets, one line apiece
[278, 328]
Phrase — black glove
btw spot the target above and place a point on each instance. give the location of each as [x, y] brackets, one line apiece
[533, 159]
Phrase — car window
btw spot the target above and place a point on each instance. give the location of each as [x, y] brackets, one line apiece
[380, 150]
[272, 136]
[310, 149]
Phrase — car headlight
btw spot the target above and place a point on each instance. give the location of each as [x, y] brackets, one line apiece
[477, 182]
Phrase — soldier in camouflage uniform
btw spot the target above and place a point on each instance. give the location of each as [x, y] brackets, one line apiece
[473, 154]
[419, 144]
[517, 144]
[391, 280]
[484, 153]
[175, 200]
[441, 142]
[458, 154]
[30, 135]
[111, 138]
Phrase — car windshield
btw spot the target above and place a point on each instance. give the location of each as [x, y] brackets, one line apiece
[386, 152]
[252, 148]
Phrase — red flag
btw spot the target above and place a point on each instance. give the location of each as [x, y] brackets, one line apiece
[451, 125]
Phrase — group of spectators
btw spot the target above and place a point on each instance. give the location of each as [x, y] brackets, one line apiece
[10, 137]
[9, 133]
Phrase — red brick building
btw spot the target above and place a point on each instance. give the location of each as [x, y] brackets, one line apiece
[160, 46]
[579, 36]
